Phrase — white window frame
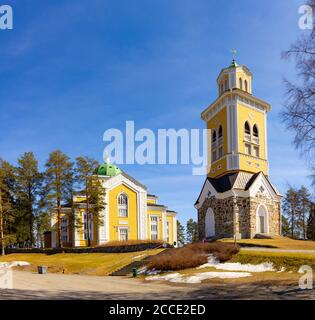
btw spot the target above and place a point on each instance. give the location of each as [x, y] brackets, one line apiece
[155, 233]
[120, 229]
[168, 236]
[123, 208]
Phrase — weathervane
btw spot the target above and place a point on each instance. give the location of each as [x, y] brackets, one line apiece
[234, 53]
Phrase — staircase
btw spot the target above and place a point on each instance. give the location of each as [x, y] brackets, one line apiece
[126, 270]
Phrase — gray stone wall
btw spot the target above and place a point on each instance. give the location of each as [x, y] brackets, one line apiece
[243, 211]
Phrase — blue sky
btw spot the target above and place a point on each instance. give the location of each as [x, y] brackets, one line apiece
[72, 69]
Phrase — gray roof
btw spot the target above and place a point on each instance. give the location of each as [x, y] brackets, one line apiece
[235, 180]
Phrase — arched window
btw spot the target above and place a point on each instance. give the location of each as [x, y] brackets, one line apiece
[246, 85]
[255, 131]
[214, 136]
[241, 83]
[225, 85]
[220, 132]
[221, 88]
[247, 128]
[122, 205]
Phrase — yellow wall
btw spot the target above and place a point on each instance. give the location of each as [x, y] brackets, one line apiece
[79, 215]
[213, 124]
[252, 117]
[115, 220]
[151, 200]
[244, 76]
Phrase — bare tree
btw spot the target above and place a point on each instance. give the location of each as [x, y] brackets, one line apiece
[299, 113]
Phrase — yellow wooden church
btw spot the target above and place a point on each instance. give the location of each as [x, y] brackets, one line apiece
[237, 198]
[130, 213]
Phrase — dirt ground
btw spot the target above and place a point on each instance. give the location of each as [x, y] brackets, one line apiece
[59, 286]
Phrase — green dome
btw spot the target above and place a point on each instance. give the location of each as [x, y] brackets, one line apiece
[107, 169]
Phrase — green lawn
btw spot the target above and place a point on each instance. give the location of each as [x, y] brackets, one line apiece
[83, 263]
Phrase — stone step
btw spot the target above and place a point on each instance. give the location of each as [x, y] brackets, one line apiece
[127, 270]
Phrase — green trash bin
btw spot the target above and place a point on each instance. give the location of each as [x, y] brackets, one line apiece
[42, 269]
[134, 272]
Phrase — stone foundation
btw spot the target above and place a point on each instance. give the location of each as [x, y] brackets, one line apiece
[243, 212]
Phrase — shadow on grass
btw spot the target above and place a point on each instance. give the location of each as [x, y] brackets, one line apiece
[252, 245]
[202, 292]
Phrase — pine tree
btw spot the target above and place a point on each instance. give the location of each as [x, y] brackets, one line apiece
[93, 191]
[29, 182]
[285, 226]
[304, 209]
[59, 185]
[291, 204]
[180, 233]
[192, 231]
[7, 235]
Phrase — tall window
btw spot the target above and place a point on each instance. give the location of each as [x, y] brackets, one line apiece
[247, 128]
[214, 155]
[87, 226]
[220, 152]
[122, 205]
[248, 149]
[256, 151]
[255, 131]
[123, 234]
[214, 136]
[220, 132]
[154, 220]
[241, 83]
[64, 229]
[246, 85]
[225, 85]
[167, 231]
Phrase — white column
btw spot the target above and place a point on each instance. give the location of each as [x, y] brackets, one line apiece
[164, 225]
[175, 230]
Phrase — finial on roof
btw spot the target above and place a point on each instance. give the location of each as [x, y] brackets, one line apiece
[234, 63]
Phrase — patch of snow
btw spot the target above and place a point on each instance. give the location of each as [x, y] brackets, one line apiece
[236, 266]
[281, 270]
[14, 264]
[153, 272]
[137, 257]
[166, 277]
[198, 277]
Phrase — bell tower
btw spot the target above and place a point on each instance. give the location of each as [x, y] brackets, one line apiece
[237, 122]
[237, 198]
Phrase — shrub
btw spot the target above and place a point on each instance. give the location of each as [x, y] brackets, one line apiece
[131, 243]
[192, 255]
[110, 247]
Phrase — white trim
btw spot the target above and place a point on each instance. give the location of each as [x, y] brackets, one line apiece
[251, 192]
[141, 200]
[175, 230]
[117, 201]
[266, 137]
[120, 228]
[158, 222]
[164, 225]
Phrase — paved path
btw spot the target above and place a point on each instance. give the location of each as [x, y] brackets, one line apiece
[57, 286]
[277, 250]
